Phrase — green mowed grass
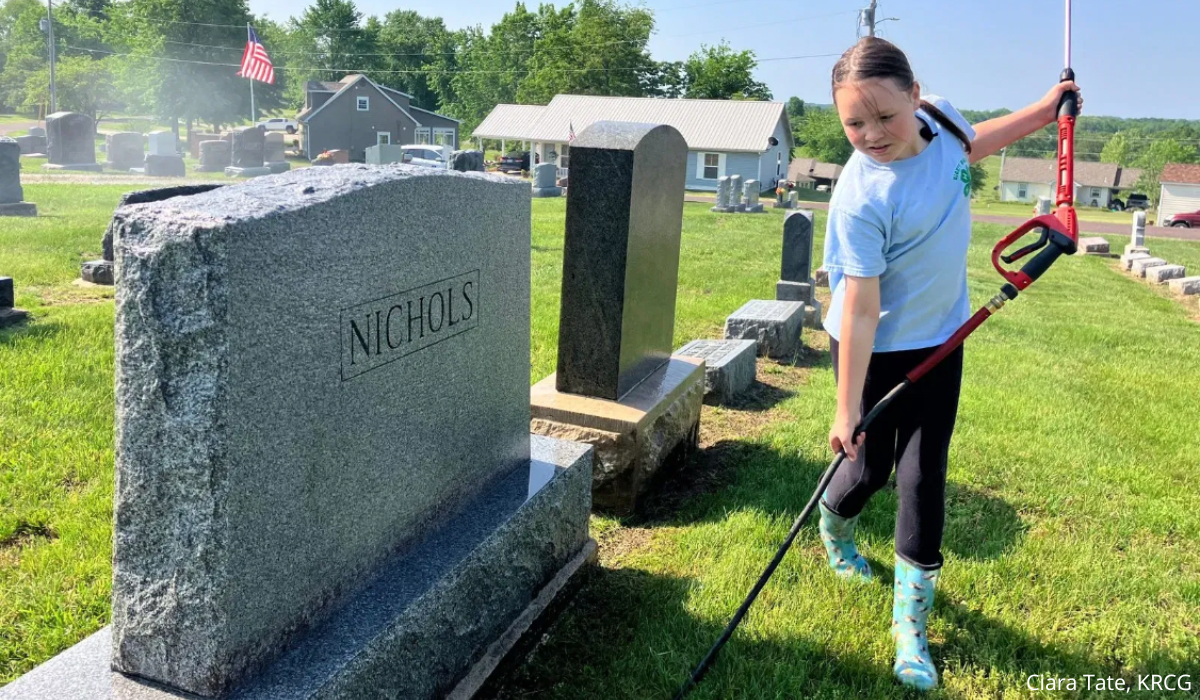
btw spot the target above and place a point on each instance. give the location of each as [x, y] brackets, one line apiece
[1073, 523]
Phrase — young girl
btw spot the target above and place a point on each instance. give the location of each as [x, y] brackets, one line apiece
[896, 252]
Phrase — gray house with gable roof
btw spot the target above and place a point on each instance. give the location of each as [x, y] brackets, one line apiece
[356, 113]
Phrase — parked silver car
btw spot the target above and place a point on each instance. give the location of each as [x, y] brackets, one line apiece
[427, 155]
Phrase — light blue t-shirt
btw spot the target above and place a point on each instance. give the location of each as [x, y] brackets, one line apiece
[909, 224]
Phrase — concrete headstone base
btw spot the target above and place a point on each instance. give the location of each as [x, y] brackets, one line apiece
[234, 171]
[794, 291]
[1129, 259]
[774, 325]
[9, 317]
[655, 422]
[437, 618]
[547, 191]
[1138, 267]
[165, 166]
[730, 366]
[97, 272]
[1093, 245]
[281, 166]
[1161, 274]
[722, 210]
[1133, 249]
[88, 167]
[18, 209]
[1185, 285]
[781, 205]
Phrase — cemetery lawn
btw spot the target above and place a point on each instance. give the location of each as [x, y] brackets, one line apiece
[1073, 524]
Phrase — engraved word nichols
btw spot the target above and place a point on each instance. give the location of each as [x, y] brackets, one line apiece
[377, 332]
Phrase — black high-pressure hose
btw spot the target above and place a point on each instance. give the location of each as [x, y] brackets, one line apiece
[702, 669]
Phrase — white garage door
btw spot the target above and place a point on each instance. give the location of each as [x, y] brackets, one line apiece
[1177, 199]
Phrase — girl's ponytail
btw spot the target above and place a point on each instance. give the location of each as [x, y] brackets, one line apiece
[940, 117]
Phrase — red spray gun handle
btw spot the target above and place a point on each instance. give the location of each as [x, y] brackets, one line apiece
[1064, 199]
[1055, 240]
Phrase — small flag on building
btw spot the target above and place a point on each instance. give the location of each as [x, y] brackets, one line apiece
[256, 65]
[570, 132]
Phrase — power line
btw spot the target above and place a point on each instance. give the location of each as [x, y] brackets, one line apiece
[409, 71]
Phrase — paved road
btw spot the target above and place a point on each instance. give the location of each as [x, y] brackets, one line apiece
[1089, 227]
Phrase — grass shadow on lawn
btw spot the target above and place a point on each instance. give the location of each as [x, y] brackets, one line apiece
[979, 526]
[28, 331]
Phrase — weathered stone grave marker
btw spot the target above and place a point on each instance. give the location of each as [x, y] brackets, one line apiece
[617, 385]
[730, 366]
[544, 178]
[795, 274]
[12, 195]
[163, 159]
[125, 151]
[1137, 234]
[70, 142]
[326, 483]
[8, 314]
[248, 146]
[724, 184]
[774, 325]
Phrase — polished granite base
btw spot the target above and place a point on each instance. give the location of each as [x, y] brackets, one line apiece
[656, 421]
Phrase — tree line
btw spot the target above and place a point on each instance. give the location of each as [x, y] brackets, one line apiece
[176, 59]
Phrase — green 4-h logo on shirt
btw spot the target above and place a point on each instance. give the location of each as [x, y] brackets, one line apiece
[963, 174]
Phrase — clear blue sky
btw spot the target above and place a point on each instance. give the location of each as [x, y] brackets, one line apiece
[1139, 59]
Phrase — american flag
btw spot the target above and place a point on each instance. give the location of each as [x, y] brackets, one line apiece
[256, 65]
[570, 132]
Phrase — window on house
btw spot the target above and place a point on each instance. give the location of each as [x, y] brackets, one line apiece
[564, 162]
[1022, 190]
[422, 134]
[443, 137]
[383, 138]
[364, 103]
[712, 166]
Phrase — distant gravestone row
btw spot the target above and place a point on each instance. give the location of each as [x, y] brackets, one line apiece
[1138, 261]
[734, 197]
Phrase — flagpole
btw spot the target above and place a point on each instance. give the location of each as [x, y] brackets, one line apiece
[253, 112]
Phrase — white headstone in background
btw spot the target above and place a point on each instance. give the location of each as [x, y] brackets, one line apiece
[162, 143]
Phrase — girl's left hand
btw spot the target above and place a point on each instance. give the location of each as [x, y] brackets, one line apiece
[1048, 105]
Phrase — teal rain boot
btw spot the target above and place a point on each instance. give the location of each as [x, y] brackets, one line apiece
[838, 535]
[910, 611]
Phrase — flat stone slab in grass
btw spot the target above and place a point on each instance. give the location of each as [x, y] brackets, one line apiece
[774, 325]
[1160, 274]
[1129, 259]
[1132, 249]
[254, 171]
[97, 272]
[730, 366]
[1185, 285]
[1093, 245]
[18, 209]
[1139, 266]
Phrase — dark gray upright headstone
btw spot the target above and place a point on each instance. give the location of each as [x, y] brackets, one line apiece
[249, 147]
[11, 193]
[797, 247]
[125, 150]
[7, 296]
[70, 139]
[10, 172]
[214, 155]
[620, 257]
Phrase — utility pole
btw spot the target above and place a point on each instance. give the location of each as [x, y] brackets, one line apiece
[50, 43]
[866, 18]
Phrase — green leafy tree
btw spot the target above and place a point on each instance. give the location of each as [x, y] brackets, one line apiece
[422, 46]
[338, 40]
[1117, 149]
[1155, 159]
[978, 179]
[823, 138]
[795, 107]
[491, 66]
[83, 85]
[720, 73]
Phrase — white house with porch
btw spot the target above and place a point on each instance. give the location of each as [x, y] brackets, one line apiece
[724, 137]
[1026, 179]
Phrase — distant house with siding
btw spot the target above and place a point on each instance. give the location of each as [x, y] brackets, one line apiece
[1179, 190]
[356, 112]
[1096, 184]
[811, 173]
[724, 137]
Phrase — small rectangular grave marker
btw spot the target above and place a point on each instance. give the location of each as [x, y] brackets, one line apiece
[774, 325]
[730, 366]
[1161, 274]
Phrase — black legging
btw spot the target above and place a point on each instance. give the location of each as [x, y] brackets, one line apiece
[913, 434]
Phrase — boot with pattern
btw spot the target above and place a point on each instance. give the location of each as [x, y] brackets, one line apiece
[838, 535]
[910, 613]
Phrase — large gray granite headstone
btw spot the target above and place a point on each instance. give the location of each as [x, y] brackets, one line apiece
[796, 261]
[303, 386]
[735, 192]
[752, 204]
[544, 179]
[274, 147]
[7, 293]
[620, 256]
[70, 139]
[384, 153]
[10, 172]
[249, 147]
